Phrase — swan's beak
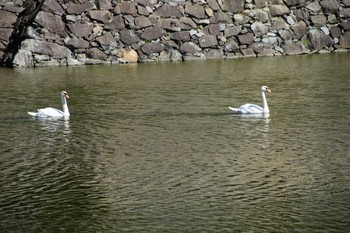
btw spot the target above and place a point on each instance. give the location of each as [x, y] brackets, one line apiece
[67, 96]
[268, 90]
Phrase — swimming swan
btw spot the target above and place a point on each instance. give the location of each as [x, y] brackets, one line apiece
[252, 108]
[54, 112]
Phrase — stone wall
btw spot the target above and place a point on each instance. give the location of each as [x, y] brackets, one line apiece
[78, 32]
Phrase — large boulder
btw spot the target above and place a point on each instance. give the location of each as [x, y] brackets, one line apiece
[77, 43]
[168, 11]
[77, 8]
[299, 29]
[279, 10]
[7, 19]
[117, 23]
[259, 29]
[190, 47]
[180, 36]
[196, 11]
[45, 48]
[318, 39]
[51, 22]
[330, 6]
[152, 33]
[291, 48]
[125, 8]
[53, 6]
[153, 47]
[345, 40]
[234, 6]
[128, 37]
[208, 41]
[246, 39]
[101, 16]
[80, 29]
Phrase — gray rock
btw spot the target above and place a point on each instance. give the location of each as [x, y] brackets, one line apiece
[345, 13]
[261, 15]
[77, 8]
[77, 43]
[208, 41]
[170, 24]
[314, 6]
[5, 34]
[286, 34]
[214, 54]
[233, 6]
[345, 24]
[232, 31]
[51, 22]
[344, 41]
[293, 2]
[151, 48]
[248, 52]
[214, 29]
[231, 46]
[102, 16]
[142, 11]
[259, 29]
[346, 2]
[125, 8]
[335, 31]
[128, 37]
[46, 48]
[152, 33]
[168, 11]
[299, 29]
[291, 48]
[279, 10]
[175, 56]
[107, 41]
[80, 29]
[53, 6]
[189, 47]
[221, 17]
[213, 5]
[180, 36]
[187, 23]
[196, 11]
[23, 58]
[246, 39]
[318, 39]
[117, 23]
[104, 4]
[319, 20]
[95, 53]
[142, 22]
[279, 23]
[330, 6]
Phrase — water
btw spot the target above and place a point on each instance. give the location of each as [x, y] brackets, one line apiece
[154, 148]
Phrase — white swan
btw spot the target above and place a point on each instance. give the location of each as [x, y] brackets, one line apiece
[252, 108]
[54, 112]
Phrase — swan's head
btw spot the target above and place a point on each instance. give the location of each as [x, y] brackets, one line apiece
[265, 88]
[65, 94]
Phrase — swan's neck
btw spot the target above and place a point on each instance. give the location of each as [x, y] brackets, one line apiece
[264, 102]
[65, 106]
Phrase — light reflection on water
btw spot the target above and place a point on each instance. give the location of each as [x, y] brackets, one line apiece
[151, 148]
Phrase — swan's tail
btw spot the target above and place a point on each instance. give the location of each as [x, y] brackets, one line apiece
[32, 113]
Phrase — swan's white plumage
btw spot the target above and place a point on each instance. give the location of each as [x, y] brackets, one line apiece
[53, 112]
[252, 108]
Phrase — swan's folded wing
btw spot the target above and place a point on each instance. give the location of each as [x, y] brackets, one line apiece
[49, 112]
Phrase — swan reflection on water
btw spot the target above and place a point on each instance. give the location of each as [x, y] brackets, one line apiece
[54, 128]
[256, 126]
